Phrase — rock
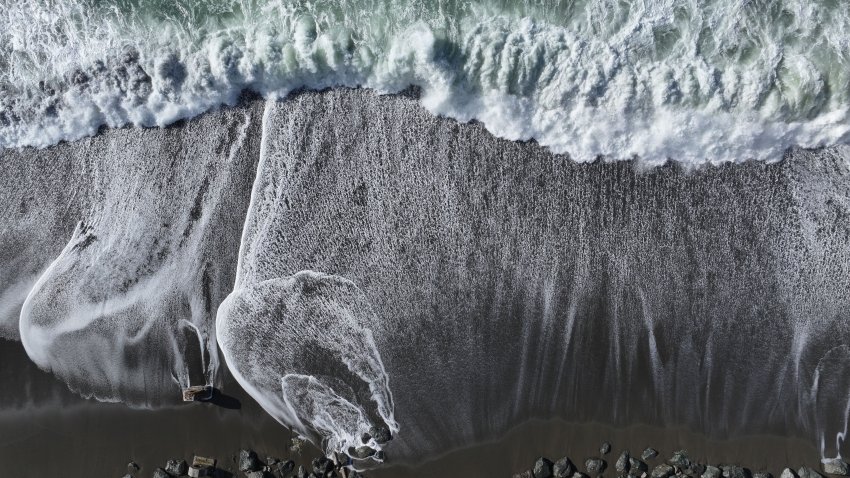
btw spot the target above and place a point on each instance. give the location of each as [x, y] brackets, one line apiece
[762, 475]
[177, 467]
[270, 460]
[648, 454]
[322, 466]
[285, 468]
[579, 474]
[605, 448]
[542, 468]
[256, 474]
[697, 469]
[380, 455]
[365, 437]
[835, 466]
[302, 473]
[361, 452]
[680, 460]
[787, 473]
[524, 474]
[662, 471]
[730, 471]
[132, 467]
[563, 468]
[595, 466]
[160, 473]
[622, 464]
[806, 472]
[637, 467]
[248, 461]
[712, 472]
[381, 434]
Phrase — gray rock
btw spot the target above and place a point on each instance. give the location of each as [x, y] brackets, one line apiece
[132, 467]
[381, 434]
[595, 466]
[680, 460]
[362, 452]
[563, 468]
[579, 474]
[712, 472]
[697, 469]
[787, 473]
[270, 460]
[605, 448]
[730, 471]
[622, 464]
[257, 474]
[365, 437]
[835, 467]
[637, 467]
[302, 473]
[248, 461]
[285, 468]
[322, 466]
[662, 471]
[160, 473]
[648, 454]
[762, 475]
[542, 468]
[177, 467]
[806, 472]
[524, 474]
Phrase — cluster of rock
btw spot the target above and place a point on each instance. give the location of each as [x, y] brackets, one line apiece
[678, 466]
[251, 466]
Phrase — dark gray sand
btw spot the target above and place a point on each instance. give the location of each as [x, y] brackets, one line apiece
[707, 299]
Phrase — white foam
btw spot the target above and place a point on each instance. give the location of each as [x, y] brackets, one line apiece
[718, 82]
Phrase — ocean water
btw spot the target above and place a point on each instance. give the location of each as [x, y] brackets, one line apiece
[688, 80]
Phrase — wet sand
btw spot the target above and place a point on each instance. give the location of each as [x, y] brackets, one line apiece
[59, 434]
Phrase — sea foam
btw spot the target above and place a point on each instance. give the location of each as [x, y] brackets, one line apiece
[715, 81]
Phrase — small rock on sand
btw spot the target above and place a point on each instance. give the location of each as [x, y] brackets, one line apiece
[787, 473]
[605, 448]
[836, 466]
[160, 473]
[806, 472]
[712, 472]
[248, 461]
[680, 460]
[595, 466]
[662, 471]
[563, 468]
[622, 464]
[542, 468]
[648, 454]
[734, 472]
[177, 467]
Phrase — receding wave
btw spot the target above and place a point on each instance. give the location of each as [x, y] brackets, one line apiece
[694, 81]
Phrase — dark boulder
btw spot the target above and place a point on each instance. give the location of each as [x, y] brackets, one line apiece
[730, 471]
[595, 466]
[648, 454]
[662, 471]
[284, 468]
[680, 460]
[248, 461]
[177, 467]
[836, 466]
[712, 472]
[622, 464]
[381, 434]
[563, 468]
[362, 452]
[322, 466]
[542, 468]
[806, 472]
[160, 473]
[637, 467]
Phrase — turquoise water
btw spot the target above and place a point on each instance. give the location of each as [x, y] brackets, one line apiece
[689, 80]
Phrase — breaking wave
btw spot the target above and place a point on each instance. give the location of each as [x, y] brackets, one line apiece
[700, 81]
